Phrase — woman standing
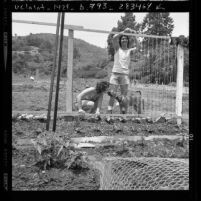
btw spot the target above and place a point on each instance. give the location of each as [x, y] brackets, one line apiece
[123, 45]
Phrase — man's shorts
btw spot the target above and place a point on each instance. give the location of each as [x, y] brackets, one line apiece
[119, 79]
[86, 105]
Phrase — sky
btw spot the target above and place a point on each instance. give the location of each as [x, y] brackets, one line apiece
[100, 21]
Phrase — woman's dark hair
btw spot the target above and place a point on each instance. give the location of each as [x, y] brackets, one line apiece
[121, 38]
[102, 86]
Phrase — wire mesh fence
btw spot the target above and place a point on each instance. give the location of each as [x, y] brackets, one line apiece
[153, 71]
[143, 174]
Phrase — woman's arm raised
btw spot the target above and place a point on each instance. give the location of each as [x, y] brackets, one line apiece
[115, 40]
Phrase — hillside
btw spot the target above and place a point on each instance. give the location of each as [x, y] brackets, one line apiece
[88, 59]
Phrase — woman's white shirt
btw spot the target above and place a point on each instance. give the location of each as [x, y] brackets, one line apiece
[122, 61]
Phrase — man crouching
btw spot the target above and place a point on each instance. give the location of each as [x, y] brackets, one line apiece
[90, 99]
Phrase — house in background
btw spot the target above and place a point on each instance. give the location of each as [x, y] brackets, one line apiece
[33, 52]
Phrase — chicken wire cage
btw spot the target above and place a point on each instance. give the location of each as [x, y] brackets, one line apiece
[142, 173]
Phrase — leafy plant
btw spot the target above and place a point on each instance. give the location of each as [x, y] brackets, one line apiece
[54, 151]
[50, 149]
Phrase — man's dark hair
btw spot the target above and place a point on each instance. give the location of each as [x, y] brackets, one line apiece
[102, 86]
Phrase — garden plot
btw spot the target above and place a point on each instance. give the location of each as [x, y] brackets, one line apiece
[44, 160]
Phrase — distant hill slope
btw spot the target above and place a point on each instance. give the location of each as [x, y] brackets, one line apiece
[88, 52]
[87, 57]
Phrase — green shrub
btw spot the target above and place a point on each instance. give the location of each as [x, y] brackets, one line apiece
[101, 74]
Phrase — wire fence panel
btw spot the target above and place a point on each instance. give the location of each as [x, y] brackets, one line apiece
[143, 174]
[154, 72]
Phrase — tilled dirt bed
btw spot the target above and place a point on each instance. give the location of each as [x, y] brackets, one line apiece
[30, 173]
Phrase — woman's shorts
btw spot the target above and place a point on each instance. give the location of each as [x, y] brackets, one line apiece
[119, 79]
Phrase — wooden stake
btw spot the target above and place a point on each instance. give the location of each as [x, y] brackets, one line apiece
[53, 72]
[69, 82]
[179, 87]
[81, 28]
[59, 70]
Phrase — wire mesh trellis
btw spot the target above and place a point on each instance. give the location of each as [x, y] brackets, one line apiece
[118, 173]
[154, 71]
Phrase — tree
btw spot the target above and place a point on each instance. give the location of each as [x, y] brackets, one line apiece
[127, 21]
[19, 64]
[156, 66]
[34, 40]
[160, 24]
[110, 48]
[18, 44]
[46, 45]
